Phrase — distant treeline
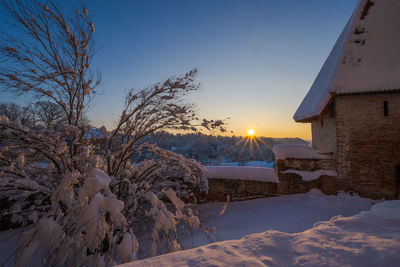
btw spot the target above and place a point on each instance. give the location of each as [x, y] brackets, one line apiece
[216, 150]
[207, 149]
[38, 114]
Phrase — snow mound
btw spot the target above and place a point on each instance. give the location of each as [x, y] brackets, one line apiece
[370, 238]
[242, 173]
[312, 175]
[284, 151]
[291, 214]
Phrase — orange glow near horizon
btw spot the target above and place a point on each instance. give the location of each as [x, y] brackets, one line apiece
[274, 129]
[266, 127]
[283, 130]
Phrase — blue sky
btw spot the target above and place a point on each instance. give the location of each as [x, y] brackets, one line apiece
[257, 58]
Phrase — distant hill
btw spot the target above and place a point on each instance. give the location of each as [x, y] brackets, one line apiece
[220, 150]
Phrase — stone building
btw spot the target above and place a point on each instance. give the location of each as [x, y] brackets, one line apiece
[354, 110]
[354, 103]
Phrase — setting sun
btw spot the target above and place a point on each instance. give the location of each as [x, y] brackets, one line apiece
[250, 132]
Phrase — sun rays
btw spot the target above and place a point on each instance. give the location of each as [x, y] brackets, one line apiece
[253, 142]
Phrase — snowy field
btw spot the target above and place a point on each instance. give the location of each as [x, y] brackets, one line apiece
[310, 229]
[370, 238]
[292, 214]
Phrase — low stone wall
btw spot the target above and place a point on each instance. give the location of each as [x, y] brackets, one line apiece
[289, 183]
[292, 183]
[236, 190]
[306, 164]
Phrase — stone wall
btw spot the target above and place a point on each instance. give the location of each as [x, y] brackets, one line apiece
[324, 132]
[235, 190]
[305, 164]
[289, 183]
[368, 144]
[292, 183]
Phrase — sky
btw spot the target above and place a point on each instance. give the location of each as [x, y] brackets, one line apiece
[256, 58]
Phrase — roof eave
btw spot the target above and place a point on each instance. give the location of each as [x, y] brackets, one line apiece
[317, 116]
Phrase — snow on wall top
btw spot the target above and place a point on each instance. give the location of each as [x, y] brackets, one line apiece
[365, 58]
[284, 151]
[242, 173]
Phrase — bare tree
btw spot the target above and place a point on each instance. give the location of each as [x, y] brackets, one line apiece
[11, 110]
[50, 115]
[54, 57]
[28, 115]
[25, 115]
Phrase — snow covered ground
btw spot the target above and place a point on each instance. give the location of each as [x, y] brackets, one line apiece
[369, 238]
[284, 231]
[292, 214]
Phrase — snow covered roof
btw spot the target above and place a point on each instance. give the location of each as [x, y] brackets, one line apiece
[242, 173]
[365, 58]
[284, 151]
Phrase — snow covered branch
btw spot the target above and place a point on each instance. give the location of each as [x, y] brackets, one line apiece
[158, 107]
[54, 59]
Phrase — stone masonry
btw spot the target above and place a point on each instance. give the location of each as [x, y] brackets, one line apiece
[289, 183]
[292, 183]
[235, 190]
[368, 144]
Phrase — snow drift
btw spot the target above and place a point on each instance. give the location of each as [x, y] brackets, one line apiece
[370, 238]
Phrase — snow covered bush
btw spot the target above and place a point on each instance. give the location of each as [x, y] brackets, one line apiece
[78, 195]
[78, 208]
[83, 227]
